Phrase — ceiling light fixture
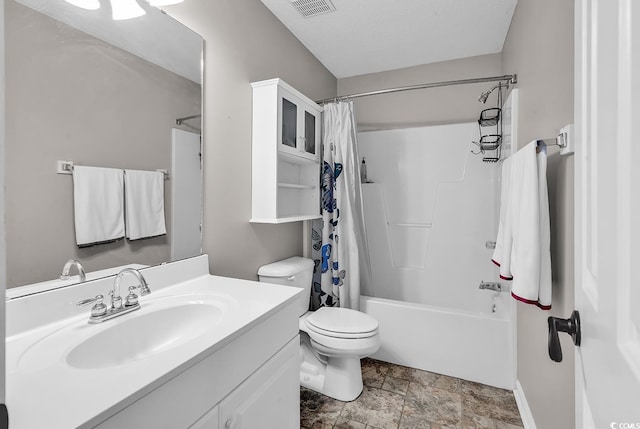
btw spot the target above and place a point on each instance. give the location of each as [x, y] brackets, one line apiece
[125, 9]
[85, 4]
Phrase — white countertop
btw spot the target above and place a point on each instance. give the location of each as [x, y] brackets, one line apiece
[43, 391]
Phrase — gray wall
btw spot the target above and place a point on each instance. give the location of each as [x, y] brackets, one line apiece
[539, 47]
[244, 42]
[454, 104]
[73, 97]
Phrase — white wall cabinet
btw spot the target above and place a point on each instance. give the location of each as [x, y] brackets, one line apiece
[285, 154]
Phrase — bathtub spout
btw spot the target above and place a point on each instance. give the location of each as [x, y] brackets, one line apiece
[491, 286]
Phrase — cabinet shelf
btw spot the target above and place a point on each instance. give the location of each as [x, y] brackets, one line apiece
[285, 219]
[295, 186]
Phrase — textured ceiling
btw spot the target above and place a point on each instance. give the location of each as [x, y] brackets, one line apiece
[368, 36]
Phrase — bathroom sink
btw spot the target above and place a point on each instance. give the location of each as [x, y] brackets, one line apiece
[160, 326]
[144, 336]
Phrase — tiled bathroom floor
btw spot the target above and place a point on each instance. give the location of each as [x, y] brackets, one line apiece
[397, 397]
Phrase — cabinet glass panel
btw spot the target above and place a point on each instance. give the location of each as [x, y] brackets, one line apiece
[289, 123]
[309, 133]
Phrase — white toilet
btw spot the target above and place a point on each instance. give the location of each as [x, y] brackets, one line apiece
[332, 340]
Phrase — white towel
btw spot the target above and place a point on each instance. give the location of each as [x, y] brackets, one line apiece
[502, 252]
[523, 244]
[144, 196]
[98, 201]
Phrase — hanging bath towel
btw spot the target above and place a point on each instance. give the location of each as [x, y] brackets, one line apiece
[524, 239]
[98, 202]
[502, 252]
[144, 192]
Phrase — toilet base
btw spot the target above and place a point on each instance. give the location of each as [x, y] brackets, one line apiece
[337, 377]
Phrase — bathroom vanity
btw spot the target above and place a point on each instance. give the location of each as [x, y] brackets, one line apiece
[201, 352]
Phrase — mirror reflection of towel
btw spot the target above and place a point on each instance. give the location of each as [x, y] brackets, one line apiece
[98, 202]
[144, 202]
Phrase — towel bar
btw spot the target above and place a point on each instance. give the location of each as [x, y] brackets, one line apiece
[66, 167]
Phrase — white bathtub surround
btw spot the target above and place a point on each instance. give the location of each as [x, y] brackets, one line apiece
[344, 242]
[523, 246]
[428, 214]
[244, 324]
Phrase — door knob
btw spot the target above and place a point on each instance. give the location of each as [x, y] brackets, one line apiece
[570, 326]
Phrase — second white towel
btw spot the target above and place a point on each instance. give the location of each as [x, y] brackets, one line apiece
[144, 199]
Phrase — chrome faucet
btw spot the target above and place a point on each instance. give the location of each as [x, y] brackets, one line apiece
[67, 267]
[100, 312]
[491, 286]
[144, 288]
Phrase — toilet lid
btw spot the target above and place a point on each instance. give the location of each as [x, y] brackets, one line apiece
[342, 322]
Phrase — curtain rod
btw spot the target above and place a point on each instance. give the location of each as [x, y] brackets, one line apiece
[510, 78]
[180, 121]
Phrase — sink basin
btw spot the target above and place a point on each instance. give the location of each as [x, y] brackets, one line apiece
[144, 336]
[160, 326]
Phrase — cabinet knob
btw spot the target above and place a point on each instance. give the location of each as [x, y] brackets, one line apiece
[230, 424]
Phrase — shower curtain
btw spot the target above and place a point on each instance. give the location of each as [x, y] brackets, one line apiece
[339, 240]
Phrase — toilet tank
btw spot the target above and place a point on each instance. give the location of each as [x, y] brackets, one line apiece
[296, 272]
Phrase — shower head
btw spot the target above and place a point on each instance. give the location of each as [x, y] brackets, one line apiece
[485, 95]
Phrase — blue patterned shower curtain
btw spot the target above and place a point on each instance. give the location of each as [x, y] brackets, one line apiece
[339, 239]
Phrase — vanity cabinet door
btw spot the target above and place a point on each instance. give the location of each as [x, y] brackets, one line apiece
[270, 397]
[211, 420]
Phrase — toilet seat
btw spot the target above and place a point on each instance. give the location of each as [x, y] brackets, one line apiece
[344, 335]
[341, 323]
[327, 338]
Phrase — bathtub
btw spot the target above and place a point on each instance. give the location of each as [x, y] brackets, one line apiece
[473, 345]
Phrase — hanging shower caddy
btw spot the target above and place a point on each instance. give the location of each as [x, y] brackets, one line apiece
[490, 129]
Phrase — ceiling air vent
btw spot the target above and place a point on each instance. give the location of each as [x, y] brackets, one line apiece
[309, 8]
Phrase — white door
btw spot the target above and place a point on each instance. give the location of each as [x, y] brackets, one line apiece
[607, 210]
[186, 195]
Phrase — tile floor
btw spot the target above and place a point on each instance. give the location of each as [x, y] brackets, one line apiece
[397, 397]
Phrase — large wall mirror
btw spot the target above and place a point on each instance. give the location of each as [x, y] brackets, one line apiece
[82, 87]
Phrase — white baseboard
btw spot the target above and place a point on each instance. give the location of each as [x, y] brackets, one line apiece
[523, 407]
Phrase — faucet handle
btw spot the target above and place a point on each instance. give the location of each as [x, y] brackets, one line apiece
[132, 298]
[144, 289]
[99, 309]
